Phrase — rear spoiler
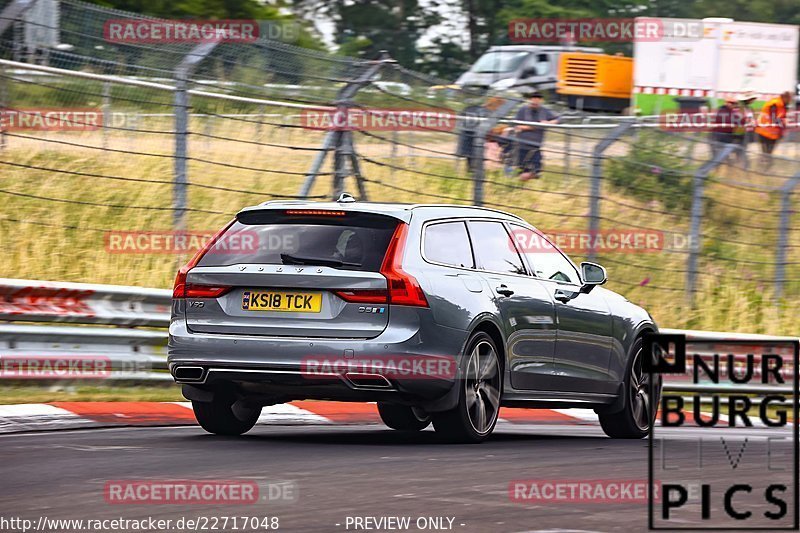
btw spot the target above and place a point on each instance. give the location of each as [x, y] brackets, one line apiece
[263, 214]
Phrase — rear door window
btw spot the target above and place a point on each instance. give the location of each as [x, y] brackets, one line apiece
[448, 243]
[494, 248]
[353, 241]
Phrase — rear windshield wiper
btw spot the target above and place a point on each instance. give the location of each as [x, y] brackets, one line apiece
[289, 259]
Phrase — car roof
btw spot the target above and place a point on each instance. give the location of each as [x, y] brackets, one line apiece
[541, 48]
[397, 210]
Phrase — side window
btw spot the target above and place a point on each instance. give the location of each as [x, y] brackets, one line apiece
[542, 64]
[544, 258]
[448, 243]
[494, 249]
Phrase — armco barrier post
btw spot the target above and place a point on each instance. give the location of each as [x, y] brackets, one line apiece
[783, 233]
[695, 228]
[597, 177]
[181, 105]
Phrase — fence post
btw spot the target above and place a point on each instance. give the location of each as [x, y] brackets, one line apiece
[4, 105]
[393, 154]
[259, 126]
[181, 107]
[597, 177]
[783, 234]
[208, 127]
[479, 168]
[478, 142]
[695, 227]
[12, 12]
[106, 108]
[339, 165]
[339, 143]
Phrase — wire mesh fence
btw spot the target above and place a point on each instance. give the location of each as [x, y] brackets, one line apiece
[110, 150]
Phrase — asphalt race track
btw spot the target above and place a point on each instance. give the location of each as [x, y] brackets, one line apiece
[340, 472]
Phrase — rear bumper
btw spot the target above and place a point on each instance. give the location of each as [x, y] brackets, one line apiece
[415, 363]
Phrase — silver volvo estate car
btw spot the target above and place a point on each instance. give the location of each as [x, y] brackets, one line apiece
[439, 313]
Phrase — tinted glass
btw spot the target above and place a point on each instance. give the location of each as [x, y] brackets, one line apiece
[448, 243]
[499, 62]
[494, 249]
[352, 243]
[544, 258]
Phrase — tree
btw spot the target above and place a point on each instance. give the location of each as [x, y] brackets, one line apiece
[365, 27]
[201, 9]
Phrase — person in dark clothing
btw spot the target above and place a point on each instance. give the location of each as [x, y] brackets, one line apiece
[723, 122]
[530, 138]
[728, 121]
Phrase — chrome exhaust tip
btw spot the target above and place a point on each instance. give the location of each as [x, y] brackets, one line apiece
[188, 373]
[368, 380]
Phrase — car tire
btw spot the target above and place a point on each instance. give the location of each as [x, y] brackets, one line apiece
[403, 417]
[637, 416]
[480, 386]
[221, 417]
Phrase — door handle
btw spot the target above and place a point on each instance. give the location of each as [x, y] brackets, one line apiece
[562, 296]
[504, 290]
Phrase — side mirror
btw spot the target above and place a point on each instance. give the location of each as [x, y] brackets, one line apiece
[529, 72]
[592, 274]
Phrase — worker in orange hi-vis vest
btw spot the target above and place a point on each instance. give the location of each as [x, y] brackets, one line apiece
[771, 124]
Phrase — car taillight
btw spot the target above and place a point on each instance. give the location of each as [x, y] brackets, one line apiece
[403, 287]
[179, 288]
[193, 290]
[364, 296]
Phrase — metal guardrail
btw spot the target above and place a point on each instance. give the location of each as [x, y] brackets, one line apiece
[84, 303]
[102, 320]
[711, 337]
[107, 315]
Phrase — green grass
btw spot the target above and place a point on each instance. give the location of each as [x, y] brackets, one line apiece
[19, 393]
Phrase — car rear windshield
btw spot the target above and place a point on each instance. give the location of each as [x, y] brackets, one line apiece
[351, 241]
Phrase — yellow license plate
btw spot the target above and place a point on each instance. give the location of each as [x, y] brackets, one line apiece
[298, 302]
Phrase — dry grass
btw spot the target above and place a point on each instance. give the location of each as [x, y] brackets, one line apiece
[732, 295]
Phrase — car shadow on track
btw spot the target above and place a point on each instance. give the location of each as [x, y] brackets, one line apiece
[385, 437]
